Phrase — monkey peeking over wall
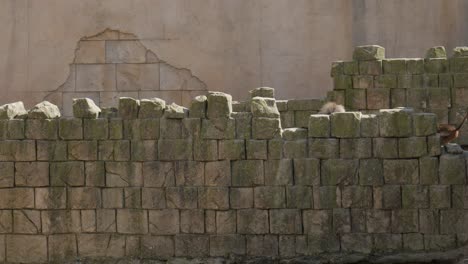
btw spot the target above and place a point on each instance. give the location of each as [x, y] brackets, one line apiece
[331, 107]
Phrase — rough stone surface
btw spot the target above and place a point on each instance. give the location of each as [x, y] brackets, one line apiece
[85, 108]
[44, 110]
[13, 110]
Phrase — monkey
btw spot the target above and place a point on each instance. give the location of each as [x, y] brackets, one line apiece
[450, 132]
[331, 107]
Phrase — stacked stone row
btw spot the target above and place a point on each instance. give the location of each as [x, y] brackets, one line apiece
[159, 181]
[434, 84]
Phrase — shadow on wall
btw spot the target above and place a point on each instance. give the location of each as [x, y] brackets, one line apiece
[112, 64]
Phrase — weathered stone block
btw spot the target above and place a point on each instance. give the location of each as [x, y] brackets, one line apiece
[417, 97]
[397, 98]
[44, 110]
[41, 128]
[371, 172]
[394, 66]
[132, 221]
[401, 171]
[128, 108]
[7, 174]
[31, 174]
[317, 221]
[369, 52]
[299, 197]
[370, 67]
[144, 150]
[50, 198]
[231, 149]
[192, 246]
[412, 147]
[60, 221]
[439, 196]
[132, 197]
[436, 65]
[26, 248]
[189, 173]
[243, 124]
[350, 67]
[82, 150]
[153, 198]
[62, 247]
[219, 128]
[174, 149]
[436, 52]
[175, 111]
[252, 221]
[13, 110]
[114, 150]
[395, 123]
[378, 221]
[164, 222]
[256, 149]
[266, 128]
[355, 99]
[439, 242]
[96, 128]
[172, 128]
[319, 126]
[17, 150]
[324, 148]
[327, 197]
[16, 129]
[106, 221]
[26, 221]
[247, 172]
[151, 108]
[219, 105]
[405, 221]
[452, 169]
[225, 222]
[223, 245]
[415, 196]
[115, 129]
[425, 124]
[413, 242]
[264, 107]
[123, 174]
[387, 242]
[385, 81]
[357, 197]
[285, 221]
[101, 245]
[205, 149]
[429, 221]
[345, 125]
[241, 198]
[157, 246]
[341, 82]
[278, 172]
[218, 173]
[307, 171]
[415, 66]
[198, 107]
[356, 148]
[339, 171]
[378, 98]
[360, 243]
[112, 198]
[433, 145]
[391, 196]
[183, 197]
[363, 81]
[85, 108]
[84, 198]
[71, 128]
[67, 173]
[429, 170]
[213, 198]
[158, 174]
[336, 68]
[266, 197]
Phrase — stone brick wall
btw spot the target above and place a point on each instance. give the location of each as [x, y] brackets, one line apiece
[435, 84]
[162, 181]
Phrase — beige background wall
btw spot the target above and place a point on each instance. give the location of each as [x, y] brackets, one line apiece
[230, 45]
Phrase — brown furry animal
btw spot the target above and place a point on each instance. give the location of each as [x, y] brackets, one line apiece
[450, 132]
[331, 107]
